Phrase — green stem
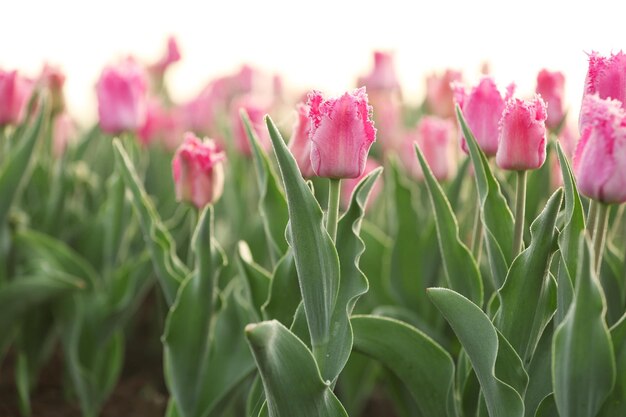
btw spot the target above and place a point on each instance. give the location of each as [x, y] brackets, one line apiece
[477, 234]
[591, 217]
[599, 234]
[333, 207]
[520, 209]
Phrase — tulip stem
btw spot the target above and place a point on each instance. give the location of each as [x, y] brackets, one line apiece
[477, 234]
[520, 209]
[333, 207]
[599, 234]
[591, 217]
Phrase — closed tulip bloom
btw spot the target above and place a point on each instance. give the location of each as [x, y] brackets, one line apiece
[606, 77]
[383, 75]
[300, 144]
[342, 132]
[15, 91]
[53, 79]
[122, 97]
[551, 87]
[600, 158]
[439, 94]
[63, 132]
[433, 135]
[522, 144]
[482, 109]
[198, 171]
[163, 125]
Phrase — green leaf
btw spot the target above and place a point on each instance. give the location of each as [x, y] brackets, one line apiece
[187, 328]
[615, 405]
[574, 224]
[353, 281]
[423, 366]
[257, 280]
[547, 408]
[499, 370]
[292, 382]
[168, 267]
[583, 361]
[525, 306]
[14, 170]
[539, 377]
[272, 204]
[459, 265]
[315, 255]
[495, 213]
[284, 292]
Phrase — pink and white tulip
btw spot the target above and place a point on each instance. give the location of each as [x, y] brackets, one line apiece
[256, 109]
[551, 87]
[300, 143]
[522, 143]
[383, 75]
[15, 91]
[198, 171]
[433, 135]
[600, 158]
[439, 94]
[122, 97]
[482, 109]
[342, 132]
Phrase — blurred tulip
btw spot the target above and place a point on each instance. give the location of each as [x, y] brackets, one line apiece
[600, 159]
[348, 185]
[439, 94]
[388, 118]
[198, 171]
[53, 79]
[551, 87]
[63, 131]
[433, 135]
[522, 143]
[482, 109]
[342, 132]
[383, 75]
[172, 55]
[15, 91]
[122, 97]
[568, 138]
[163, 125]
[256, 109]
[300, 144]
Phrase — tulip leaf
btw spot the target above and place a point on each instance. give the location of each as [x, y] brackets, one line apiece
[353, 281]
[459, 265]
[574, 224]
[315, 255]
[583, 361]
[284, 292]
[498, 368]
[168, 267]
[496, 216]
[272, 204]
[422, 365]
[539, 378]
[291, 379]
[257, 280]
[14, 170]
[615, 405]
[526, 303]
[547, 408]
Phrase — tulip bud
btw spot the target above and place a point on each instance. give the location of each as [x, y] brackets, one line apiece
[198, 171]
[122, 97]
[172, 55]
[15, 91]
[433, 135]
[53, 79]
[600, 158]
[349, 185]
[551, 87]
[482, 109]
[300, 144]
[163, 125]
[342, 133]
[383, 75]
[522, 143]
[439, 94]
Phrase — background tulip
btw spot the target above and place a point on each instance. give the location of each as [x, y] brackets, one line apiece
[439, 94]
[300, 144]
[551, 87]
[14, 93]
[433, 135]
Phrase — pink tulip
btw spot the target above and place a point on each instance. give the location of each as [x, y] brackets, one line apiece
[172, 55]
[439, 94]
[388, 118]
[568, 138]
[122, 97]
[198, 171]
[433, 135]
[482, 109]
[63, 131]
[348, 185]
[383, 75]
[600, 159]
[342, 132]
[522, 143]
[201, 112]
[256, 109]
[551, 87]
[606, 77]
[163, 125]
[300, 144]
[53, 79]
[15, 91]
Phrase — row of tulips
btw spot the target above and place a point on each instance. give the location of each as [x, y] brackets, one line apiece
[278, 302]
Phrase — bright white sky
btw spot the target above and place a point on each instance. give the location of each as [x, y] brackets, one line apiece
[323, 44]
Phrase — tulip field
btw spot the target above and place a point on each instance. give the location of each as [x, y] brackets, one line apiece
[260, 252]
